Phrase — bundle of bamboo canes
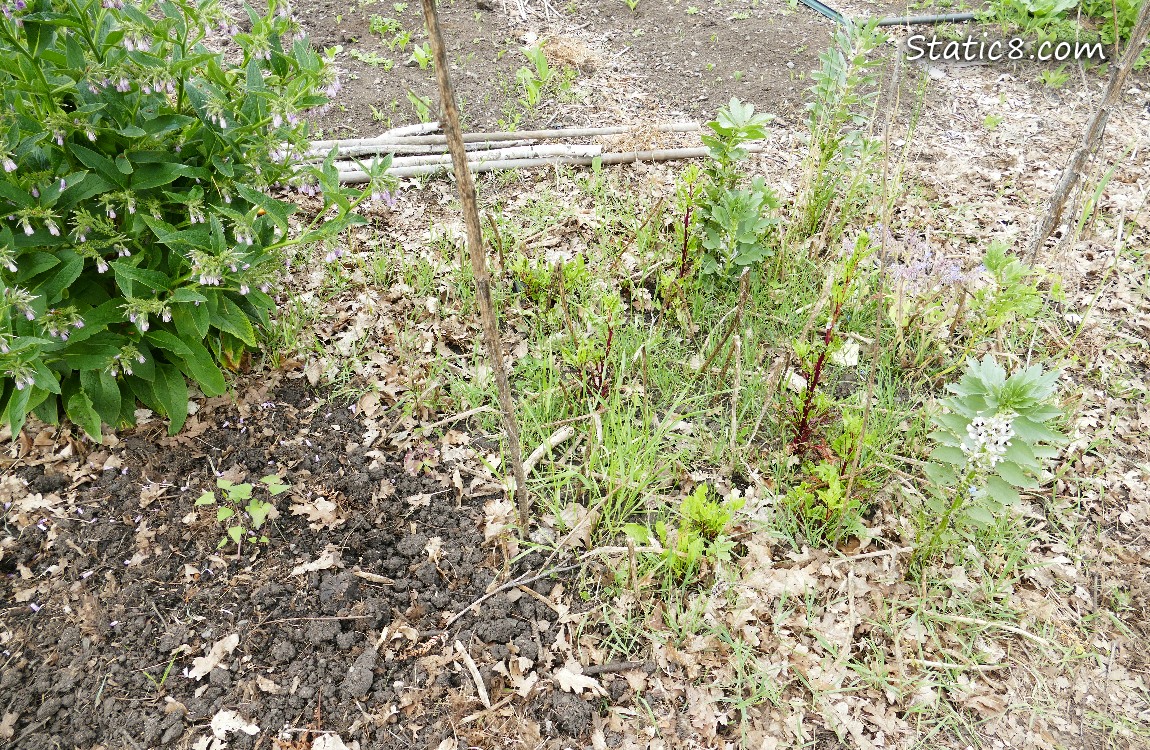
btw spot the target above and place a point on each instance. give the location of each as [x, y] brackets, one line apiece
[418, 150]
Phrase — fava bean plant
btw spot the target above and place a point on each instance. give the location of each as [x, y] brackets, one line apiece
[139, 245]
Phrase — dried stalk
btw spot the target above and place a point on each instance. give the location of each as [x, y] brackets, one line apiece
[476, 250]
[1092, 138]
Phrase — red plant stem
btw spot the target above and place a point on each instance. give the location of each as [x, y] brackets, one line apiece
[686, 230]
[803, 429]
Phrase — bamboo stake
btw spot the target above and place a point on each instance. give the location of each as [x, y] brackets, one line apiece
[1093, 135]
[514, 135]
[342, 152]
[407, 131]
[475, 159]
[352, 177]
[475, 249]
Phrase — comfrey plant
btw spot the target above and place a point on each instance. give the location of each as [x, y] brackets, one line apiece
[993, 436]
[137, 242]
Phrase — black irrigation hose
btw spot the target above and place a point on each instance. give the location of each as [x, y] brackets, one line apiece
[926, 20]
[837, 17]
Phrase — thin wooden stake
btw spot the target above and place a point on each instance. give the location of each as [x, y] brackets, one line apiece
[1094, 131]
[476, 250]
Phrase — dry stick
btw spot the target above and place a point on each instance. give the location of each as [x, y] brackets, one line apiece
[350, 152]
[480, 688]
[614, 666]
[738, 347]
[560, 436]
[476, 250]
[1093, 135]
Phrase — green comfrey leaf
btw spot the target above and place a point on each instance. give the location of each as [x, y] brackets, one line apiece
[171, 394]
[84, 415]
[193, 358]
[104, 393]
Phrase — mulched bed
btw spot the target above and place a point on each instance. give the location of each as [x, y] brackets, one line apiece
[109, 574]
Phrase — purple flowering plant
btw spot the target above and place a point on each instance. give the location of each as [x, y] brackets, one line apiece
[138, 239]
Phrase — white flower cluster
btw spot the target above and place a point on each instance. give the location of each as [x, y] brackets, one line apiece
[987, 440]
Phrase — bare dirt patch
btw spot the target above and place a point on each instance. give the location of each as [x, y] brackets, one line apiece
[125, 626]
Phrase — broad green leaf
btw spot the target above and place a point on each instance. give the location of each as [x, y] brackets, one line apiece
[148, 176]
[172, 393]
[1011, 472]
[941, 475]
[208, 498]
[230, 318]
[235, 533]
[101, 164]
[641, 534]
[1034, 432]
[82, 414]
[259, 511]
[127, 272]
[193, 359]
[950, 454]
[104, 392]
[240, 491]
[223, 513]
[1001, 491]
[980, 516]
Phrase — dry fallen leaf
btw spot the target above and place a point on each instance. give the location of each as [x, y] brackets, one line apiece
[320, 512]
[570, 678]
[498, 516]
[202, 665]
[229, 722]
[329, 558]
[8, 725]
[328, 742]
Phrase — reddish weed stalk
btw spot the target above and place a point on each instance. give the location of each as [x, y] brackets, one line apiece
[806, 420]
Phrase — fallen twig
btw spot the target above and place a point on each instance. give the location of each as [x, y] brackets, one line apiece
[615, 666]
[895, 551]
[505, 587]
[562, 435]
[476, 159]
[475, 676]
[506, 135]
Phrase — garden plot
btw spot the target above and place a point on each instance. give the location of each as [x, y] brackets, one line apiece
[126, 626]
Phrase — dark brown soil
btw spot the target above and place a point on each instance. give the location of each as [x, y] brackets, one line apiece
[663, 58]
[93, 630]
